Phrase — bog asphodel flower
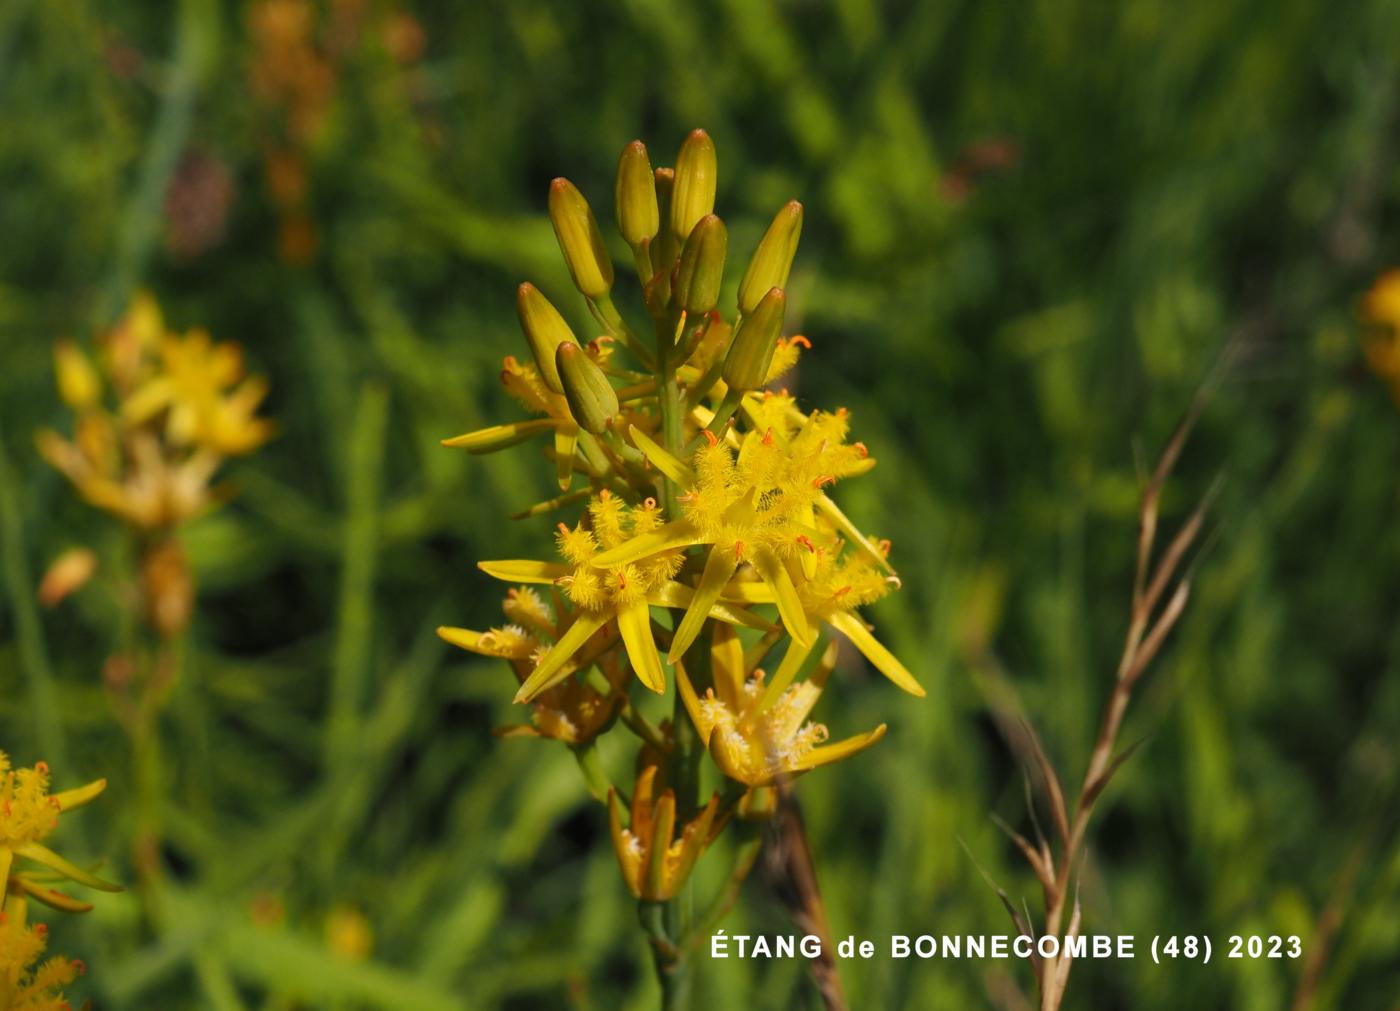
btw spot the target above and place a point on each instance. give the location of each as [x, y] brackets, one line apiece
[181, 404]
[656, 860]
[756, 734]
[573, 711]
[708, 538]
[29, 813]
[25, 983]
[621, 595]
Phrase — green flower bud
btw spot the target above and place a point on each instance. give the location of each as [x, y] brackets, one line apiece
[592, 400]
[638, 217]
[746, 365]
[696, 172]
[701, 270]
[579, 239]
[772, 260]
[544, 329]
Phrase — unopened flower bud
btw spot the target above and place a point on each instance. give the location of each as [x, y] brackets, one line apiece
[772, 260]
[701, 270]
[78, 383]
[746, 365]
[544, 329]
[579, 239]
[592, 400]
[663, 247]
[696, 172]
[638, 217]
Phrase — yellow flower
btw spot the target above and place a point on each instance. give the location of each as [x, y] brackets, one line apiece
[148, 490]
[199, 388]
[180, 409]
[755, 734]
[25, 986]
[622, 594]
[655, 860]
[28, 815]
[764, 506]
[573, 711]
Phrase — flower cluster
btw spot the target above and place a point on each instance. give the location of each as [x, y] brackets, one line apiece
[29, 814]
[157, 412]
[708, 536]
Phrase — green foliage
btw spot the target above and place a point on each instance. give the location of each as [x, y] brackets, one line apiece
[1029, 233]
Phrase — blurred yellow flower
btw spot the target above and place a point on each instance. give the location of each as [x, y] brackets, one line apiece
[199, 389]
[348, 934]
[1380, 308]
[182, 405]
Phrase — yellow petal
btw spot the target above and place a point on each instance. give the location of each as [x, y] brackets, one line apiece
[147, 401]
[692, 704]
[796, 655]
[727, 666]
[828, 753]
[488, 440]
[697, 836]
[524, 570]
[673, 594]
[718, 568]
[552, 666]
[565, 438]
[749, 592]
[43, 855]
[885, 662]
[77, 797]
[775, 574]
[658, 887]
[662, 460]
[851, 532]
[470, 640]
[627, 857]
[634, 622]
[676, 534]
[51, 897]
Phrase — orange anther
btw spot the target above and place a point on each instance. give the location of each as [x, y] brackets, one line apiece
[42, 768]
[824, 480]
[799, 339]
[710, 438]
[768, 437]
[842, 592]
[860, 448]
[604, 495]
[739, 550]
[806, 542]
[80, 967]
[649, 502]
[884, 545]
[563, 528]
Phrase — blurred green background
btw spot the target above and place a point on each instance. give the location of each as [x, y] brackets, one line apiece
[1031, 229]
